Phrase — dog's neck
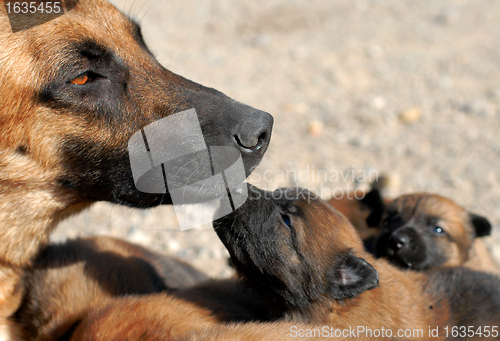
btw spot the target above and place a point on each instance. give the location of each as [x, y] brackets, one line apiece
[23, 208]
[31, 208]
[31, 204]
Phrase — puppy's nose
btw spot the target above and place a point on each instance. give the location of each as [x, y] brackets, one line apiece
[254, 132]
[400, 240]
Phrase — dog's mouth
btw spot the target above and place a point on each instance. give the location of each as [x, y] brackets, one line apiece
[412, 257]
[397, 259]
[144, 200]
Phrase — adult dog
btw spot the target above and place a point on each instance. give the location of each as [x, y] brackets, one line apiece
[73, 91]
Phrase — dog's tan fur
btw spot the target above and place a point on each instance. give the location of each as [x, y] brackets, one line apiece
[28, 180]
[355, 211]
[168, 316]
[31, 202]
[480, 258]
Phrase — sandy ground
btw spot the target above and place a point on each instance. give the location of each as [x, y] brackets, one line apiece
[405, 88]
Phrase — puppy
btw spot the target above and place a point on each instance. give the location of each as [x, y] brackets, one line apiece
[308, 262]
[423, 231]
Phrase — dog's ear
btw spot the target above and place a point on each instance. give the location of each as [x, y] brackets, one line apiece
[351, 276]
[373, 200]
[481, 225]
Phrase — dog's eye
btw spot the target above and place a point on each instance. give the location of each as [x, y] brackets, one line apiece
[85, 78]
[286, 219]
[438, 231]
[80, 80]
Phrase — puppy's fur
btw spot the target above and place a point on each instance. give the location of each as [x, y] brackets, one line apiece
[423, 231]
[309, 261]
[68, 280]
[107, 289]
[164, 317]
[64, 141]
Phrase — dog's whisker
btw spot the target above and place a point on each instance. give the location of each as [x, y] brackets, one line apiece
[148, 4]
[187, 181]
[184, 165]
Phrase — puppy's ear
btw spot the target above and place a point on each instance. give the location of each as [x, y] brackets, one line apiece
[373, 200]
[351, 276]
[481, 225]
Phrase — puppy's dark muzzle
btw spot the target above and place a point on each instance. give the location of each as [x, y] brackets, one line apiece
[398, 241]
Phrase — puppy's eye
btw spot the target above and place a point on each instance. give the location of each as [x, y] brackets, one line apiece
[438, 231]
[286, 219]
[85, 78]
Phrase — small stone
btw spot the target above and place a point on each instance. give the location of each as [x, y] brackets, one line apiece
[316, 128]
[262, 40]
[411, 115]
[379, 102]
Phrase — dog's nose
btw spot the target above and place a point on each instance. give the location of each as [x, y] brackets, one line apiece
[400, 240]
[254, 132]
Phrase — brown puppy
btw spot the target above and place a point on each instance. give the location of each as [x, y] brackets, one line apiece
[74, 90]
[422, 231]
[67, 280]
[304, 257]
[102, 289]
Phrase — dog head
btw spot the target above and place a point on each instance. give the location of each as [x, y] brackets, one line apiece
[295, 249]
[76, 88]
[422, 231]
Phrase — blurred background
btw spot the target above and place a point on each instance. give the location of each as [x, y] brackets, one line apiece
[357, 88]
